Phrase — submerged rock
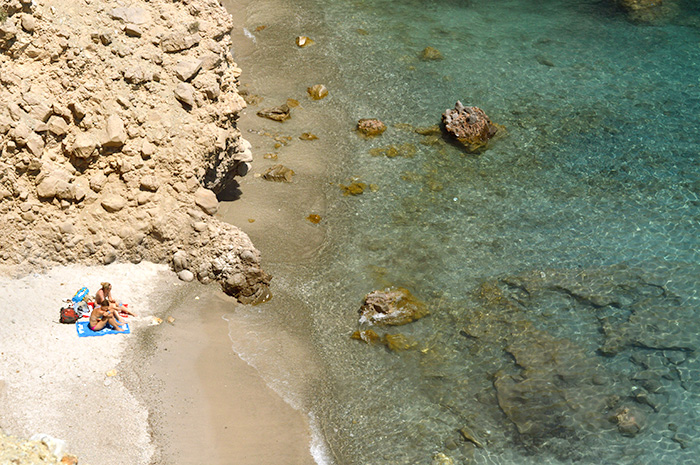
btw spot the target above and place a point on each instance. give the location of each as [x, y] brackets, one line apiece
[392, 306]
[280, 113]
[430, 54]
[317, 92]
[368, 336]
[469, 125]
[371, 127]
[407, 150]
[629, 421]
[355, 188]
[649, 10]
[313, 218]
[303, 41]
[279, 173]
[396, 342]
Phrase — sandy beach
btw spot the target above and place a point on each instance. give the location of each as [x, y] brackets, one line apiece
[55, 383]
[178, 392]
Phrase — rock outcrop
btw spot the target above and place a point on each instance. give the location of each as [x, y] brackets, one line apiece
[120, 121]
[392, 306]
[370, 127]
[469, 125]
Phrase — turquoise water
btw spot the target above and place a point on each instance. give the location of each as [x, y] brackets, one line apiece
[560, 266]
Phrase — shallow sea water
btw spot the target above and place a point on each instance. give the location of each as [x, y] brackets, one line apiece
[560, 265]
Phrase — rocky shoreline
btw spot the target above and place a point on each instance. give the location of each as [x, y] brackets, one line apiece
[117, 130]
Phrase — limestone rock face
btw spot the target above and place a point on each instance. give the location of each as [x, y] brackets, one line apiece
[121, 114]
[469, 125]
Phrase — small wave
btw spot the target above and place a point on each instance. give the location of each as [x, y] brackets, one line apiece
[249, 35]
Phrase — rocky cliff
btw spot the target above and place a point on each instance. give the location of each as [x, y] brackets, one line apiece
[117, 129]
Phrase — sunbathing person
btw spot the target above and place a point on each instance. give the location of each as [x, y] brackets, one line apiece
[102, 316]
[105, 292]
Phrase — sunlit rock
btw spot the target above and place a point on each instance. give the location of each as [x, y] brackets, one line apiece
[280, 113]
[392, 306]
[370, 127]
[469, 125]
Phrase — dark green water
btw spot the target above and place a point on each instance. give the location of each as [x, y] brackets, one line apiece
[560, 266]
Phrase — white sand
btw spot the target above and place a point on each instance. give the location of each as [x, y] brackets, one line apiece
[55, 383]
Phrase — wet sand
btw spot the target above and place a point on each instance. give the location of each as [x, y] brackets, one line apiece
[206, 404]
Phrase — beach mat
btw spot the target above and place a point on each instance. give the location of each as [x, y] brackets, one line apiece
[84, 331]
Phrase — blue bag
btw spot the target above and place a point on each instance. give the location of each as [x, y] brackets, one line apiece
[80, 295]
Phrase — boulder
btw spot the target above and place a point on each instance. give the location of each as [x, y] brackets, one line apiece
[98, 181]
[469, 125]
[35, 144]
[149, 183]
[370, 127]
[132, 30]
[180, 260]
[28, 23]
[57, 126]
[115, 132]
[113, 202]
[138, 75]
[179, 41]
[206, 200]
[629, 421]
[84, 146]
[391, 306]
[54, 186]
[186, 276]
[187, 68]
[133, 15]
[185, 94]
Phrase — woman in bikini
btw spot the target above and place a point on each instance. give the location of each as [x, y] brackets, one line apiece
[102, 316]
[105, 292]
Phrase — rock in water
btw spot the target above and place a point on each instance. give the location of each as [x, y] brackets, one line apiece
[392, 306]
[278, 173]
[303, 41]
[317, 92]
[431, 54]
[280, 113]
[469, 125]
[629, 421]
[370, 127]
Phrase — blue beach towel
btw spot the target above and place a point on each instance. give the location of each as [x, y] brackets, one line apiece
[84, 331]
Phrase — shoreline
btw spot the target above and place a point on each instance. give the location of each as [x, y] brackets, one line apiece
[206, 404]
[179, 392]
[201, 371]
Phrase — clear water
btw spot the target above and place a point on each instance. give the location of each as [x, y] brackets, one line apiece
[560, 266]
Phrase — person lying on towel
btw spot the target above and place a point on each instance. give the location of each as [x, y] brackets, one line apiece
[102, 316]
